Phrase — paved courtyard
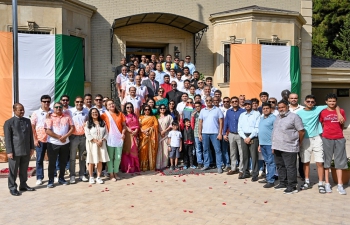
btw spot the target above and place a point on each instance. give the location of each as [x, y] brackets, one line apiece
[151, 198]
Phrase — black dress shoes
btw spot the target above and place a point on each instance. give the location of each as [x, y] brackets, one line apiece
[26, 188]
[255, 179]
[15, 192]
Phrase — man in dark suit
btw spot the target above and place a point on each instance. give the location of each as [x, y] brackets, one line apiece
[174, 94]
[152, 85]
[19, 147]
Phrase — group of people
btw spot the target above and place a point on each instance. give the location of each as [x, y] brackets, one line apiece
[171, 114]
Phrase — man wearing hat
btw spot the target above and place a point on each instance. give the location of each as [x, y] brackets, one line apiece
[248, 128]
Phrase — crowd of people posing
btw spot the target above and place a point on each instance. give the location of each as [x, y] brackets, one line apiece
[171, 114]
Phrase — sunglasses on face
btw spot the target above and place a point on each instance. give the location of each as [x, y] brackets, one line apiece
[162, 108]
[78, 101]
[226, 101]
[129, 107]
[160, 91]
[234, 101]
[147, 110]
[65, 100]
[273, 102]
[58, 107]
[208, 100]
[190, 102]
[174, 85]
[98, 99]
[312, 102]
[45, 101]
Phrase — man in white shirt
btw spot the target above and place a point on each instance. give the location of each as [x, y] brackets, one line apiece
[209, 82]
[167, 68]
[187, 75]
[87, 101]
[187, 85]
[180, 83]
[141, 90]
[99, 104]
[135, 100]
[180, 107]
[200, 89]
[120, 79]
[206, 92]
[172, 75]
[294, 107]
[190, 65]
[127, 84]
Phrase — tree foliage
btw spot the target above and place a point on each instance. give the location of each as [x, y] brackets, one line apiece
[331, 29]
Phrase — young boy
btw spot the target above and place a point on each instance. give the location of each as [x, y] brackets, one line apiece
[174, 145]
[333, 142]
[188, 138]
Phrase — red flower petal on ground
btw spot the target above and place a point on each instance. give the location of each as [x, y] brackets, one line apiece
[210, 188]
[90, 185]
[223, 203]
[150, 191]
[183, 180]
[132, 183]
[245, 182]
[102, 191]
[128, 184]
[225, 182]
[132, 206]
[190, 211]
[265, 201]
[185, 210]
[156, 181]
[162, 181]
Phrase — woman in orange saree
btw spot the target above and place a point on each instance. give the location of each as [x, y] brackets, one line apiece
[148, 140]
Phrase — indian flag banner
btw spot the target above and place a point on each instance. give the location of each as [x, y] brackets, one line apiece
[255, 68]
[47, 64]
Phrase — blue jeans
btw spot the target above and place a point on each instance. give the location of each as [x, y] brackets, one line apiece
[270, 162]
[40, 154]
[199, 150]
[225, 156]
[206, 138]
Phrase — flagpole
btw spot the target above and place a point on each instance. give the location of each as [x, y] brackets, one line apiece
[15, 51]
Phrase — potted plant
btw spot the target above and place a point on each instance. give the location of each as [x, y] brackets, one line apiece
[345, 173]
[3, 154]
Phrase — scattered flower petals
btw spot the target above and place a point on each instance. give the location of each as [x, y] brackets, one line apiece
[265, 201]
[128, 184]
[185, 210]
[190, 211]
[102, 191]
[150, 191]
[223, 203]
[162, 181]
[132, 206]
[210, 188]
[225, 182]
[90, 185]
[156, 181]
[132, 183]
[245, 182]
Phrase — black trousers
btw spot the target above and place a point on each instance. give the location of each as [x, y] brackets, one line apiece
[250, 151]
[287, 168]
[52, 152]
[301, 167]
[188, 154]
[18, 163]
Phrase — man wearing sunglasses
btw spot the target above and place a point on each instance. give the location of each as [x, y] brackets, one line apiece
[174, 94]
[135, 100]
[273, 102]
[99, 104]
[65, 103]
[58, 127]
[190, 65]
[210, 130]
[77, 140]
[200, 88]
[232, 136]
[312, 142]
[38, 119]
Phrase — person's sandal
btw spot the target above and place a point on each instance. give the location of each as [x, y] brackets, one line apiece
[305, 186]
[321, 189]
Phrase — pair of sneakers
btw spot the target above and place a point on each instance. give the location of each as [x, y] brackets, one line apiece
[98, 180]
[340, 188]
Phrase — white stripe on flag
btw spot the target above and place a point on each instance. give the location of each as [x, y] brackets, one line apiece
[275, 69]
[36, 60]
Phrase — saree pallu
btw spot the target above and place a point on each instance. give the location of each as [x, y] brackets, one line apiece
[130, 159]
[148, 144]
[163, 152]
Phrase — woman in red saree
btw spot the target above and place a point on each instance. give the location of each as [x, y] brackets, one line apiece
[130, 159]
[148, 139]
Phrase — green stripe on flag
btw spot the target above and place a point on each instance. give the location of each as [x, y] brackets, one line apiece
[295, 75]
[69, 67]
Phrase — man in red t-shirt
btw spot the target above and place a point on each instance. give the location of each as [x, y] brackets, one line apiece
[166, 85]
[333, 142]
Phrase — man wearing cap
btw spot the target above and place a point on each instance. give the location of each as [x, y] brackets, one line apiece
[248, 128]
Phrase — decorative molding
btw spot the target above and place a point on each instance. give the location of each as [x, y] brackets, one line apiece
[34, 28]
[31, 25]
[77, 32]
[273, 39]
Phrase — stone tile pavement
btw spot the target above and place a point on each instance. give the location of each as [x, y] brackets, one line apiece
[154, 199]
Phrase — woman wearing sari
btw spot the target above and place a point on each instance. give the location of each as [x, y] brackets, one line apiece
[159, 99]
[148, 139]
[130, 159]
[115, 122]
[165, 126]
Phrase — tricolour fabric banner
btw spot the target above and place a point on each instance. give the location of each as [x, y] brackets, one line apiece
[255, 68]
[47, 64]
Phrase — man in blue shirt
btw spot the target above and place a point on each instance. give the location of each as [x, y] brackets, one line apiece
[159, 74]
[265, 142]
[232, 136]
[248, 128]
[210, 129]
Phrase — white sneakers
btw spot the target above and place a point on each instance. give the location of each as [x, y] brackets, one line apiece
[99, 180]
[39, 182]
[72, 180]
[92, 180]
[83, 178]
[56, 179]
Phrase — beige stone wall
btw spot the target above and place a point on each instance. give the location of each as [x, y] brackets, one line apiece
[107, 11]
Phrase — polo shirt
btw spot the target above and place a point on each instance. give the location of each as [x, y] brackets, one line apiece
[121, 78]
[285, 134]
[311, 121]
[38, 119]
[265, 129]
[249, 123]
[60, 126]
[210, 118]
[231, 120]
[79, 118]
[127, 84]
[180, 84]
[186, 78]
[299, 107]
[101, 110]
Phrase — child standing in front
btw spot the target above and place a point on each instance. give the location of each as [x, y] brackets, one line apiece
[188, 138]
[174, 145]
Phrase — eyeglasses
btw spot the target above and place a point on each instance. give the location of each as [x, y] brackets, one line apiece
[129, 107]
[226, 101]
[208, 100]
[98, 99]
[190, 102]
[174, 85]
[160, 91]
[65, 100]
[162, 108]
[235, 101]
[45, 101]
[58, 107]
[199, 82]
[79, 102]
[273, 102]
[147, 110]
[312, 102]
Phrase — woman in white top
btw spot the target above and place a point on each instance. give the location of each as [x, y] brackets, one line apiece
[96, 136]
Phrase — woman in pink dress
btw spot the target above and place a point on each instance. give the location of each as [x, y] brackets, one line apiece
[130, 160]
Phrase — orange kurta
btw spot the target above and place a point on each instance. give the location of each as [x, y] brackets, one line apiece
[148, 144]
